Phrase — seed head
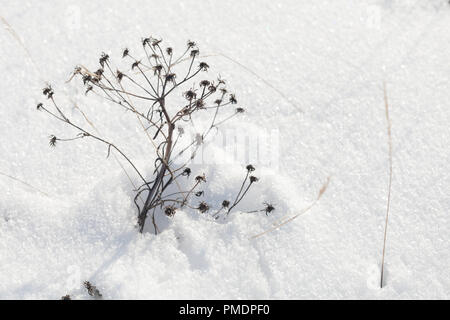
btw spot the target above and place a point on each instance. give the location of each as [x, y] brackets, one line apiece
[225, 203]
[233, 98]
[39, 106]
[169, 51]
[125, 52]
[240, 110]
[195, 53]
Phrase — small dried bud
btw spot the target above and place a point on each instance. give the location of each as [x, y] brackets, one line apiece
[250, 168]
[203, 207]
[199, 193]
[233, 98]
[66, 297]
[240, 110]
[125, 52]
[169, 51]
[218, 102]
[39, 106]
[225, 203]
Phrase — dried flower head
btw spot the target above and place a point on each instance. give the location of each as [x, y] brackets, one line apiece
[39, 106]
[190, 94]
[145, 41]
[169, 51]
[253, 179]
[48, 91]
[203, 207]
[186, 172]
[89, 88]
[200, 178]
[170, 77]
[191, 44]
[170, 211]
[119, 75]
[218, 102]
[157, 69]
[195, 53]
[225, 203]
[269, 208]
[92, 290]
[156, 42]
[199, 193]
[212, 88]
[125, 52]
[52, 141]
[199, 104]
[250, 168]
[204, 83]
[86, 78]
[233, 98]
[103, 59]
[204, 66]
[66, 297]
[240, 110]
[135, 64]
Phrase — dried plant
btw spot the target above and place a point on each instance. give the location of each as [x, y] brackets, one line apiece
[144, 91]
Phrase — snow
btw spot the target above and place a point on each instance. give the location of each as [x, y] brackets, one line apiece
[316, 74]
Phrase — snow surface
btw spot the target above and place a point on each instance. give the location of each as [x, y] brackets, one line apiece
[328, 59]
